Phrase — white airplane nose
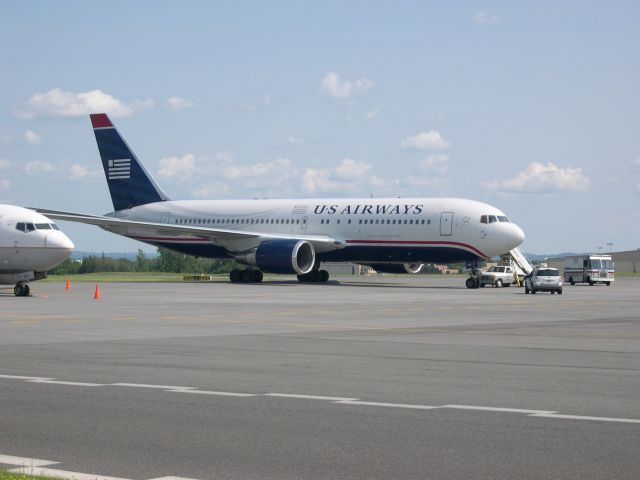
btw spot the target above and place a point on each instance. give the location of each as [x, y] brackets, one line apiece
[61, 241]
[518, 235]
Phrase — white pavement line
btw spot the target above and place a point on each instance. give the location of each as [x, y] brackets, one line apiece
[208, 392]
[61, 382]
[499, 409]
[173, 478]
[144, 385]
[309, 397]
[21, 377]
[388, 405]
[24, 462]
[580, 417]
[62, 474]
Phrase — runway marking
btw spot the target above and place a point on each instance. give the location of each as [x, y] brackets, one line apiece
[309, 397]
[24, 462]
[60, 382]
[208, 392]
[498, 409]
[335, 400]
[388, 405]
[582, 417]
[145, 385]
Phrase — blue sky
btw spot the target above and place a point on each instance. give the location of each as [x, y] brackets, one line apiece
[530, 106]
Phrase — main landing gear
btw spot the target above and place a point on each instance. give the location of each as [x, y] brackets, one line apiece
[245, 276]
[314, 276]
[21, 290]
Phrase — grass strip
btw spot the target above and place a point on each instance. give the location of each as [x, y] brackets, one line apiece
[4, 475]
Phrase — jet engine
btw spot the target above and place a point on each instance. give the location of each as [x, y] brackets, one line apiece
[281, 256]
[411, 268]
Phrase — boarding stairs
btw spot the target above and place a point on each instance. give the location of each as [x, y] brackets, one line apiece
[521, 265]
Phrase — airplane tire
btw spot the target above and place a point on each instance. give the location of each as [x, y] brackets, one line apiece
[560, 292]
[572, 281]
[21, 290]
[533, 292]
[259, 276]
[324, 276]
[607, 283]
[17, 290]
[235, 276]
[526, 290]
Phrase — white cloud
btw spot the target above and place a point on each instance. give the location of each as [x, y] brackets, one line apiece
[217, 189]
[543, 178]
[434, 164]
[430, 140]
[36, 168]
[372, 114]
[32, 137]
[175, 104]
[5, 184]
[80, 172]
[59, 103]
[346, 89]
[487, 18]
[352, 169]
[294, 140]
[349, 175]
[4, 164]
[181, 168]
[259, 170]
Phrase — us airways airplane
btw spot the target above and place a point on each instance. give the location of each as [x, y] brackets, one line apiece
[294, 236]
[30, 244]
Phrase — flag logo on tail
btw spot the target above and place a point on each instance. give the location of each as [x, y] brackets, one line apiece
[120, 169]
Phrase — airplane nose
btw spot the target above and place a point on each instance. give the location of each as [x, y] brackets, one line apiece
[518, 235]
[62, 242]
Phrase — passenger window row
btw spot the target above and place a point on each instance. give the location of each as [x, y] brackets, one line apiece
[236, 221]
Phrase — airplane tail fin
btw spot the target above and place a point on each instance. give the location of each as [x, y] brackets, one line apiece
[130, 184]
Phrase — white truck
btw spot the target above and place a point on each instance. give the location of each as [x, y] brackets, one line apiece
[589, 269]
[498, 276]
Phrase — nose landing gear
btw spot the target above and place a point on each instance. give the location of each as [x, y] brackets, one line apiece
[21, 290]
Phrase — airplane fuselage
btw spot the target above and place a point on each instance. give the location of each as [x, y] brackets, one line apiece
[369, 230]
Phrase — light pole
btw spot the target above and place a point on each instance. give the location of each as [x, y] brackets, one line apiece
[599, 250]
[610, 245]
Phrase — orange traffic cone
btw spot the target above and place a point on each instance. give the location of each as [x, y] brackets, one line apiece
[97, 295]
[68, 285]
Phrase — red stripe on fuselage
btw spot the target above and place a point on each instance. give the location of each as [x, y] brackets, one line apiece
[416, 242]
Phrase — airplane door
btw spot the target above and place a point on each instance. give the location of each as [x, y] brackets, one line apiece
[446, 224]
[166, 218]
[303, 225]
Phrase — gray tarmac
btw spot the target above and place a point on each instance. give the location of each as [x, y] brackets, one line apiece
[376, 378]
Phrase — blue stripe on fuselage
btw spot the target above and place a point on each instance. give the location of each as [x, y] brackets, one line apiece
[357, 254]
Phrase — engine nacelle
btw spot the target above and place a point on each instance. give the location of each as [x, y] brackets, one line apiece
[411, 268]
[281, 256]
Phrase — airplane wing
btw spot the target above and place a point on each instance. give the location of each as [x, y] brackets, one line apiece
[217, 235]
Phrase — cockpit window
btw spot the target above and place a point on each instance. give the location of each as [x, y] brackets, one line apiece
[25, 227]
[484, 219]
[54, 226]
[43, 226]
[502, 218]
[492, 219]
